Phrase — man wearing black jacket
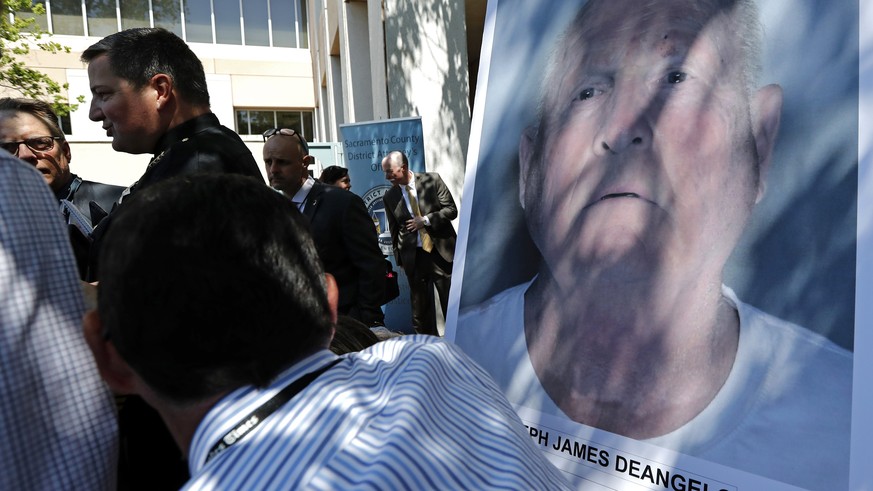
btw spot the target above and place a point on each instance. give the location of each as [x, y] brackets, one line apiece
[343, 230]
[149, 93]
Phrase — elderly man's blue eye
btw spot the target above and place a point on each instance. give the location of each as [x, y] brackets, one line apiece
[585, 94]
[676, 77]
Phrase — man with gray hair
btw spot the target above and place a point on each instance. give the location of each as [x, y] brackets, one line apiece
[637, 181]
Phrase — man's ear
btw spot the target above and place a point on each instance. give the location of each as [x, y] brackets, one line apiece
[65, 149]
[307, 159]
[766, 114]
[332, 296]
[114, 370]
[525, 154]
[162, 84]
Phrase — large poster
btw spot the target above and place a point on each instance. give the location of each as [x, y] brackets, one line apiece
[658, 263]
[364, 145]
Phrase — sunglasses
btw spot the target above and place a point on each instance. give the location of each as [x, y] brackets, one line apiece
[287, 132]
[38, 144]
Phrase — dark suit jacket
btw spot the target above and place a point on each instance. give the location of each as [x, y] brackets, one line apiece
[81, 193]
[348, 245]
[436, 202]
[200, 144]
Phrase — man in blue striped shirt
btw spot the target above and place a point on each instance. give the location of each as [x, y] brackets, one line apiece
[220, 317]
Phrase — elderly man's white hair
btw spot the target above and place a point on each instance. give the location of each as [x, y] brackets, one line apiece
[747, 33]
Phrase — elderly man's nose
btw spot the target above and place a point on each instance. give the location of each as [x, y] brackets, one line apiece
[628, 126]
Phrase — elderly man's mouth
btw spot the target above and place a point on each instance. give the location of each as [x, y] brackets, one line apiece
[609, 196]
[619, 195]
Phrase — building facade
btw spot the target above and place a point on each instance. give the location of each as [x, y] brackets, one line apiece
[311, 65]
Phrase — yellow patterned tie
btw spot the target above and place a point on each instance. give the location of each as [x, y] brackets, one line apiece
[426, 242]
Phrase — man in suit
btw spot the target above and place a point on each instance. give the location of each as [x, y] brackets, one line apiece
[423, 238]
[343, 230]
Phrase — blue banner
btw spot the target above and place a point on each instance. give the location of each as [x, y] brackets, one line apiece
[364, 146]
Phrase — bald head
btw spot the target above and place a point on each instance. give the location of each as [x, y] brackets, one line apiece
[395, 165]
[286, 163]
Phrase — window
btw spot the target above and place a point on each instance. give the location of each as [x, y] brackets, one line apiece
[227, 25]
[67, 17]
[168, 14]
[256, 22]
[198, 21]
[101, 17]
[135, 13]
[256, 121]
[66, 125]
[41, 20]
[277, 23]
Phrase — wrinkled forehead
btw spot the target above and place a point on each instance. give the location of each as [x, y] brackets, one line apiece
[18, 122]
[609, 35]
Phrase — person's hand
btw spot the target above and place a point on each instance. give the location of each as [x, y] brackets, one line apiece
[414, 224]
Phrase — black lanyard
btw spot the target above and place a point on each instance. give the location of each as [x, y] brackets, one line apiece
[255, 418]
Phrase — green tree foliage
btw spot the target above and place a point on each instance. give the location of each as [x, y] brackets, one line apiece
[20, 31]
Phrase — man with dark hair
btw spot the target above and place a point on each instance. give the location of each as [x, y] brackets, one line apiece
[343, 230]
[149, 92]
[233, 355]
[420, 210]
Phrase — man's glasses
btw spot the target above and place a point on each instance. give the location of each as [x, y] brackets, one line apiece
[287, 132]
[38, 144]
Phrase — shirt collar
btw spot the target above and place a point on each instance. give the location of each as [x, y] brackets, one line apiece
[301, 194]
[185, 130]
[228, 411]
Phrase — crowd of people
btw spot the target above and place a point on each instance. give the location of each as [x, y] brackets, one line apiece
[215, 306]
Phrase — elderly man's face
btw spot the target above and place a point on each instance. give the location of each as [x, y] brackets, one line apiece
[651, 159]
[395, 172]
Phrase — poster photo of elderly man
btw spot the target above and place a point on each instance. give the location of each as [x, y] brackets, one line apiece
[659, 262]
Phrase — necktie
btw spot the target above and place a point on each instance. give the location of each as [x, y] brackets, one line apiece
[426, 242]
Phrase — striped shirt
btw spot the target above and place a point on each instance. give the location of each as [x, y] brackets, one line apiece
[57, 418]
[407, 413]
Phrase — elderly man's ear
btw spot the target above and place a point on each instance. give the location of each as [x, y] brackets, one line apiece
[112, 367]
[525, 154]
[766, 114]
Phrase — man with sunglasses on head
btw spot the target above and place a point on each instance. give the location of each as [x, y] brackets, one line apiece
[343, 230]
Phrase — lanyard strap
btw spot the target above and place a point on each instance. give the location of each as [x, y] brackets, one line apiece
[255, 418]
